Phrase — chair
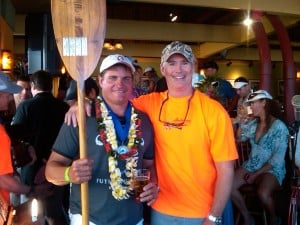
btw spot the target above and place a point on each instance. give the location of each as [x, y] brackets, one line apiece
[243, 148]
[248, 190]
[250, 196]
[6, 212]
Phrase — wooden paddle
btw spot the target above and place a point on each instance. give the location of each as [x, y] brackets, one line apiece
[79, 29]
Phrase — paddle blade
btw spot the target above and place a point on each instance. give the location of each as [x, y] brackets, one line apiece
[79, 29]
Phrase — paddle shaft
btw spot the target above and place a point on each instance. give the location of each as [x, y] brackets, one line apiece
[82, 149]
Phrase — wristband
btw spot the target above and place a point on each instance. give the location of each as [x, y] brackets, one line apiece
[67, 178]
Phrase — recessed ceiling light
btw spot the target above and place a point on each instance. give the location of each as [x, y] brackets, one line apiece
[173, 17]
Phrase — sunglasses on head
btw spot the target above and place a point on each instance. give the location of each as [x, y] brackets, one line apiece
[241, 80]
[253, 95]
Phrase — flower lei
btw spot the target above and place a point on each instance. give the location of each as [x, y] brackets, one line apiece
[121, 188]
[209, 86]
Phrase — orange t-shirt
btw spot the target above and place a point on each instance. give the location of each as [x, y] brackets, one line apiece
[185, 157]
[5, 159]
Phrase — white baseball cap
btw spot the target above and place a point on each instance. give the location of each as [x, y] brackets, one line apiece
[149, 69]
[112, 60]
[240, 82]
[6, 85]
[260, 94]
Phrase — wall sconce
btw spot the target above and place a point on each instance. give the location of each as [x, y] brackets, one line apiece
[298, 74]
[111, 46]
[6, 60]
[201, 72]
[63, 70]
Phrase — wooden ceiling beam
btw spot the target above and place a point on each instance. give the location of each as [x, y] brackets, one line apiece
[280, 7]
[165, 31]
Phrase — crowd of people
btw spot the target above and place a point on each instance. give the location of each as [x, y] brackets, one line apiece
[137, 119]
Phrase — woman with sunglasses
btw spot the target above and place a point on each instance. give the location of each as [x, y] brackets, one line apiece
[265, 167]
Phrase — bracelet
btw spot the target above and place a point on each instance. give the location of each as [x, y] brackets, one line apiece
[216, 219]
[67, 178]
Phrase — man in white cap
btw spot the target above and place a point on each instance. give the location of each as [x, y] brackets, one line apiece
[119, 141]
[242, 87]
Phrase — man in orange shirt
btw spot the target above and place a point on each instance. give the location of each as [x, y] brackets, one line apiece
[7, 182]
[194, 145]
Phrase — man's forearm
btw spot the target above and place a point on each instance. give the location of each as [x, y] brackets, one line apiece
[223, 187]
[11, 184]
[56, 173]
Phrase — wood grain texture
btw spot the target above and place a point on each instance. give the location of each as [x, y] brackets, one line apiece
[79, 28]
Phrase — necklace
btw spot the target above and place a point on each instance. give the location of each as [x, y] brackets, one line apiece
[121, 188]
[171, 124]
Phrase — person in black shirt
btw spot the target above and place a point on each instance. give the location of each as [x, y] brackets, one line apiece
[43, 116]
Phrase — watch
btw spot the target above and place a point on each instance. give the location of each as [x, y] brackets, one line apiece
[216, 219]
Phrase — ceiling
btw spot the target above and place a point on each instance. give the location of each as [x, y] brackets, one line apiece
[213, 27]
[145, 11]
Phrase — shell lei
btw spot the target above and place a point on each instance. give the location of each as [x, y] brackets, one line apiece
[121, 188]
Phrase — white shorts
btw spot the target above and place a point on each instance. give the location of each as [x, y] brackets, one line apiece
[76, 219]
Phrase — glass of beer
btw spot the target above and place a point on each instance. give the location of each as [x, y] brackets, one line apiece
[140, 178]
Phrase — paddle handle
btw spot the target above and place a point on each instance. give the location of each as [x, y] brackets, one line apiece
[82, 149]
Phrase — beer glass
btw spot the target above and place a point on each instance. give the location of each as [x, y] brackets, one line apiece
[140, 178]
